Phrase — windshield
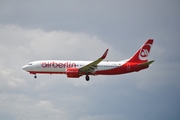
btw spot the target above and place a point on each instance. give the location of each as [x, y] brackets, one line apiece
[30, 64]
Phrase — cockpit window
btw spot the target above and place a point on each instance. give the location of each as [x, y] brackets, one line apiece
[30, 64]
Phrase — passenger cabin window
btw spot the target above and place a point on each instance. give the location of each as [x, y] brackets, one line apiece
[30, 64]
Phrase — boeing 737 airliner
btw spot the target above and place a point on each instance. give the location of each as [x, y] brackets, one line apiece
[76, 69]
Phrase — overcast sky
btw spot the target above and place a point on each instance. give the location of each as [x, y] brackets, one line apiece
[83, 30]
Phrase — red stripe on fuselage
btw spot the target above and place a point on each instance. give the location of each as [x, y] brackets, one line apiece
[48, 72]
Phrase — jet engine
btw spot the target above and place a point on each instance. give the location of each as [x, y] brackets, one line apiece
[72, 72]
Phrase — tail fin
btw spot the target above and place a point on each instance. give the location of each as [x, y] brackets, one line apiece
[142, 54]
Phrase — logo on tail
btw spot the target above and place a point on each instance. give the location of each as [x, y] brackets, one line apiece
[144, 52]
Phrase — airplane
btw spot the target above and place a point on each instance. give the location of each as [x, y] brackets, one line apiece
[76, 69]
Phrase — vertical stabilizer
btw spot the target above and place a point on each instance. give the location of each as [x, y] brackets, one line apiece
[142, 54]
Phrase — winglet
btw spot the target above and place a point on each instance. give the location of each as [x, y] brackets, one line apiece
[90, 68]
[104, 55]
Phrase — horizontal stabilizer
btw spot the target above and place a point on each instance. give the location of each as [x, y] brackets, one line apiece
[146, 63]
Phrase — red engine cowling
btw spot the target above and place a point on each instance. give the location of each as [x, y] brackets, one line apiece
[72, 72]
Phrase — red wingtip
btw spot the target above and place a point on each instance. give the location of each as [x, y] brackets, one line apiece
[104, 55]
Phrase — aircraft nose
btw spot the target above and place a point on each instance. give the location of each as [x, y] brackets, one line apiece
[24, 67]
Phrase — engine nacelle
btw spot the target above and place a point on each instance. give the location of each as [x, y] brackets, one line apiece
[72, 72]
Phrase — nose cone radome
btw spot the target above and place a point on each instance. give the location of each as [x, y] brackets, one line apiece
[25, 67]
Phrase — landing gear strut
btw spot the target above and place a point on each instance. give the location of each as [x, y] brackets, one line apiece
[87, 77]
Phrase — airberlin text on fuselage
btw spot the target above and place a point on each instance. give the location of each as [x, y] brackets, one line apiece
[58, 64]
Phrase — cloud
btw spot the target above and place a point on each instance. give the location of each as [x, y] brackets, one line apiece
[55, 44]
[25, 98]
[22, 107]
[20, 46]
[57, 97]
[83, 31]
[104, 97]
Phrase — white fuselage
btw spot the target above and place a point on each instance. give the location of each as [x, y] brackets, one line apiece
[61, 66]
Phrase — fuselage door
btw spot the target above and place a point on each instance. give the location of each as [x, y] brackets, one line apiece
[128, 67]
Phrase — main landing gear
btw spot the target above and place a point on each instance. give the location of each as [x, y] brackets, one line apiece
[87, 77]
[35, 76]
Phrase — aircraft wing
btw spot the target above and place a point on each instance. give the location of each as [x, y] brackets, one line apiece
[90, 68]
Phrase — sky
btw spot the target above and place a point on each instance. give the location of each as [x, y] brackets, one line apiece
[83, 30]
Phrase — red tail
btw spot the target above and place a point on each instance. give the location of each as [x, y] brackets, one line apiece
[142, 54]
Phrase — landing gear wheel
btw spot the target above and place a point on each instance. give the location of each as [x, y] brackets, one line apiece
[87, 77]
[35, 76]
